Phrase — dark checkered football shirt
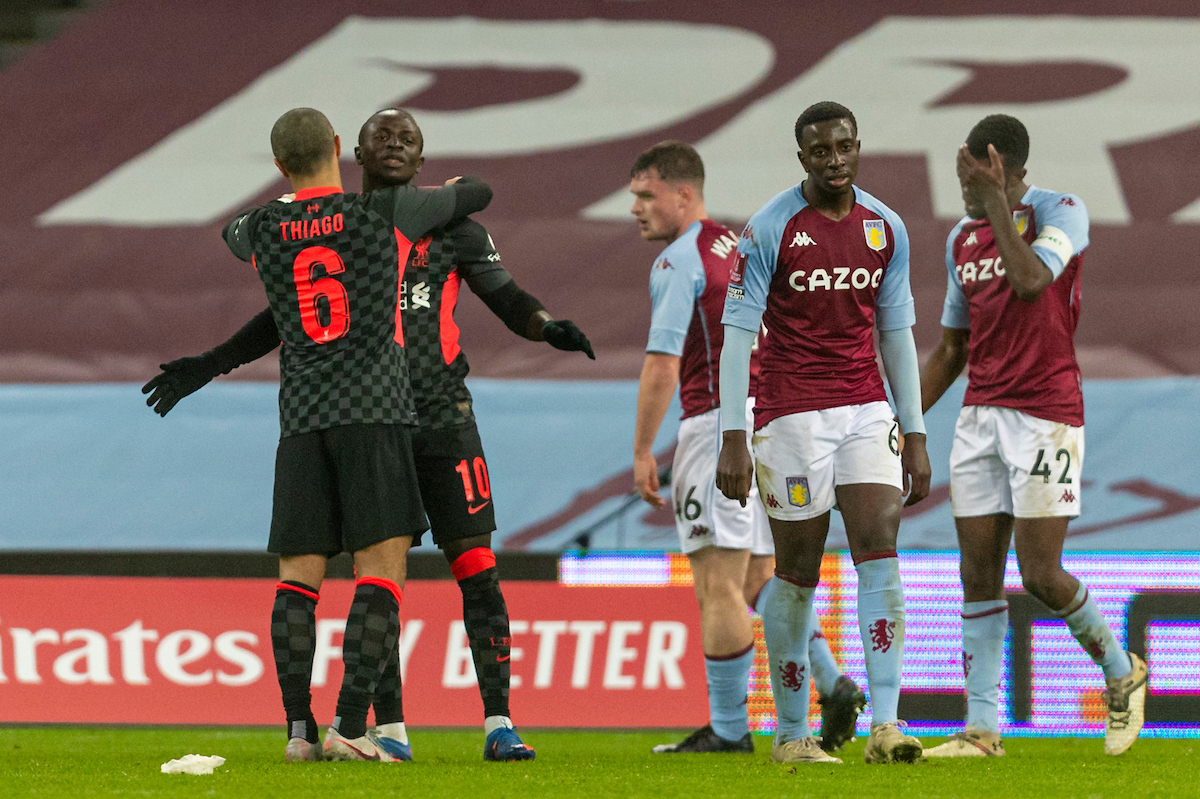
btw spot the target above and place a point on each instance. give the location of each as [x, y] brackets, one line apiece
[330, 266]
[437, 267]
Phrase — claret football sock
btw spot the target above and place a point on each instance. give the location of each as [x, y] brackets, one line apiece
[984, 625]
[485, 617]
[728, 679]
[1092, 632]
[785, 605]
[881, 624]
[825, 669]
[372, 632]
[293, 639]
[389, 696]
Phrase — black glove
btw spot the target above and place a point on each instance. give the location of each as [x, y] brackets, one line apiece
[178, 379]
[562, 334]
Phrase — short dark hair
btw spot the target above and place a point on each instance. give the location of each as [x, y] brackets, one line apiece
[362, 132]
[823, 112]
[1006, 134]
[675, 162]
[301, 140]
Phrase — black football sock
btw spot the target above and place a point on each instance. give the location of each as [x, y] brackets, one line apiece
[372, 631]
[485, 617]
[294, 638]
[389, 699]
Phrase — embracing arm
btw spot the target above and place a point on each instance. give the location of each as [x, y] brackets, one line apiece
[185, 376]
[471, 195]
[416, 211]
[524, 315]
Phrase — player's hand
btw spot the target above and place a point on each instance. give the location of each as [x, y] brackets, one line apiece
[914, 461]
[453, 180]
[735, 467]
[562, 334]
[645, 479]
[178, 379]
[982, 180]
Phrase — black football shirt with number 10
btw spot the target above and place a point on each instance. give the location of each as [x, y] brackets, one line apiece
[330, 263]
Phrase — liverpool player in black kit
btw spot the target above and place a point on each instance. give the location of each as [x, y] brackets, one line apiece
[449, 457]
[344, 474]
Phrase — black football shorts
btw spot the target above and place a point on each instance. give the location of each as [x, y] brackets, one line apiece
[455, 485]
[343, 489]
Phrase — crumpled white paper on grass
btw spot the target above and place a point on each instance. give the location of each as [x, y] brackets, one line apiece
[193, 764]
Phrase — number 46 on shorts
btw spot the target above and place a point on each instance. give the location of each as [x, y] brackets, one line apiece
[688, 508]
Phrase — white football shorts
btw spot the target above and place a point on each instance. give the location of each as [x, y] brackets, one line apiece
[1006, 461]
[801, 457]
[703, 515]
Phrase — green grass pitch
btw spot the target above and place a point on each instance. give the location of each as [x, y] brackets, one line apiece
[124, 761]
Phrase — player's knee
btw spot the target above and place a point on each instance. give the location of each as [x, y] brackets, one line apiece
[1040, 582]
[387, 559]
[716, 588]
[981, 580]
[981, 588]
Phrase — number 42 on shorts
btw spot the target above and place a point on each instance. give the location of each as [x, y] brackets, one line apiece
[1041, 467]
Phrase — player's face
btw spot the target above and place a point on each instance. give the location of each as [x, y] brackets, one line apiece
[658, 206]
[1014, 184]
[390, 149]
[829, 154]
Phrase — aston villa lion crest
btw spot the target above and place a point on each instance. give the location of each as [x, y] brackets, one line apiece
[797, 491]
[1021, 220]
[876, 238]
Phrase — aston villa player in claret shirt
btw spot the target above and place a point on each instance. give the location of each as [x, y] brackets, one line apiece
[822, 266]
[450, 462]
[344, 474]
[1012, 302]
[728, 544]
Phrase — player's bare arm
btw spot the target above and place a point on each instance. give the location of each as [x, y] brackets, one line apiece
[988, 186]
[914, 460]
[656, 387]
[944, 366]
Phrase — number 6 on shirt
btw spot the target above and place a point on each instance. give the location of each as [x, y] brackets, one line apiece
[309, 292]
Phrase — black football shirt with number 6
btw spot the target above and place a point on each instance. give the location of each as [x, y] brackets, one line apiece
[330, 263]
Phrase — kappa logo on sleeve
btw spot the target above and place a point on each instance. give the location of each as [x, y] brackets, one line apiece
[797, 491]
[663, 263]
